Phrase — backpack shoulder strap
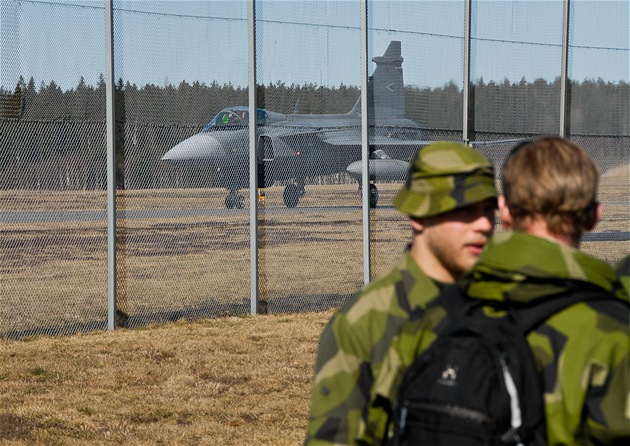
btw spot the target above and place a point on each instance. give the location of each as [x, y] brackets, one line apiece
[455, 300]
[530, 316]
[451, 296]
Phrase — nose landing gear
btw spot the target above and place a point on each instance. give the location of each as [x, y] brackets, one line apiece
[234, 200]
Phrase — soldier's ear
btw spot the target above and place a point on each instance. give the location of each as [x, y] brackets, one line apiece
[504, 213]
[596, 215]
[417, 224]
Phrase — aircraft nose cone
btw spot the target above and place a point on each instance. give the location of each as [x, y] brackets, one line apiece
[201, 146]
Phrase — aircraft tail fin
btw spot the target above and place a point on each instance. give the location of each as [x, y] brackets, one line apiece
[385, 87]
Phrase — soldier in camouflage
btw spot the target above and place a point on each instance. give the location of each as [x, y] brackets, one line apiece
[582, 352]
[450, 198]
[623, 271]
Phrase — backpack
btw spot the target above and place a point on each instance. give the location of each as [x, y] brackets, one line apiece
[477, 384]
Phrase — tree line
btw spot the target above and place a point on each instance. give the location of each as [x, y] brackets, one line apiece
[597, 107]
[50, 138]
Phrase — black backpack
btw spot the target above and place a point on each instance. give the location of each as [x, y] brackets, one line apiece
[477, 383]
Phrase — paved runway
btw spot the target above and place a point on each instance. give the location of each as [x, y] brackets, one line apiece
[26, 217]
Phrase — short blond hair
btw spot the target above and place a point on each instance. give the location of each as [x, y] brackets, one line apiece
[554, 179]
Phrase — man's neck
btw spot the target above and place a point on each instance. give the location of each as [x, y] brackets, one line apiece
[539, 228]
[429, 264]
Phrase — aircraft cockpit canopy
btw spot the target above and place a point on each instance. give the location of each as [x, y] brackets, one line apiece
[234, 117]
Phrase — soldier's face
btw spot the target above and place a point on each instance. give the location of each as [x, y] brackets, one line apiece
[454, 240]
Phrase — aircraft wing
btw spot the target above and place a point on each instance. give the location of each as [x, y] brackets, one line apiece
[396, 137]
[351, 137]
[496, 142]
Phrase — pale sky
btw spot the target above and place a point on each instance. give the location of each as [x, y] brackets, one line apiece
[313, 41]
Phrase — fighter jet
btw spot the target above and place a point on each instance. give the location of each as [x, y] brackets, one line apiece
[295, 146]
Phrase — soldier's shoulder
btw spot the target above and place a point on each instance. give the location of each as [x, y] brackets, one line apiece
[378, 295]
[623, 274]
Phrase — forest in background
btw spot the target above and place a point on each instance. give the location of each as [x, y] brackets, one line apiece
[55, 139]
[597, 107]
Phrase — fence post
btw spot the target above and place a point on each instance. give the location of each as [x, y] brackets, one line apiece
[365, 145]
[111, 166]
[253, 162]
[565, 120]
[468, 101]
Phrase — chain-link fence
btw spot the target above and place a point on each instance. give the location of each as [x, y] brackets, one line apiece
[184, 227]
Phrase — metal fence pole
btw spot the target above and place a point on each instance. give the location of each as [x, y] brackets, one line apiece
[564, 93]
[111, 166]
[253, 164]
[468, 105]
[365, 145]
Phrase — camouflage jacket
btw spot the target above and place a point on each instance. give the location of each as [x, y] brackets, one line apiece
[582, 352]
[351, 349]
[623, 272]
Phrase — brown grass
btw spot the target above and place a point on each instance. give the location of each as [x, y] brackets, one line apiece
[54, 274]
[229, 381]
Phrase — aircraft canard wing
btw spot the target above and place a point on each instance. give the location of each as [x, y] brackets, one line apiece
[290, 134]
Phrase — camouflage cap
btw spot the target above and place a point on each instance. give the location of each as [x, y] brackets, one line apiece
[444, 176]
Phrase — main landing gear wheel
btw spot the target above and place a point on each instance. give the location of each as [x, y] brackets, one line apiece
[234, 200]
[373, 196]
[292, 195]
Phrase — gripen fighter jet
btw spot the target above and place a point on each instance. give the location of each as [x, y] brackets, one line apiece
[295, 146]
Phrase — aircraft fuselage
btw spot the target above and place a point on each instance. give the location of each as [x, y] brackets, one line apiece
[296, 146]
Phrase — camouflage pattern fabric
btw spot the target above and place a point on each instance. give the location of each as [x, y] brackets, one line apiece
[444, 176]
[582, 352]
[623, 271]
[351, 349]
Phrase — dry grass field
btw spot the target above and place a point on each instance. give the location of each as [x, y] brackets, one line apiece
[54, 273]
[228, 381]
[225, 381]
